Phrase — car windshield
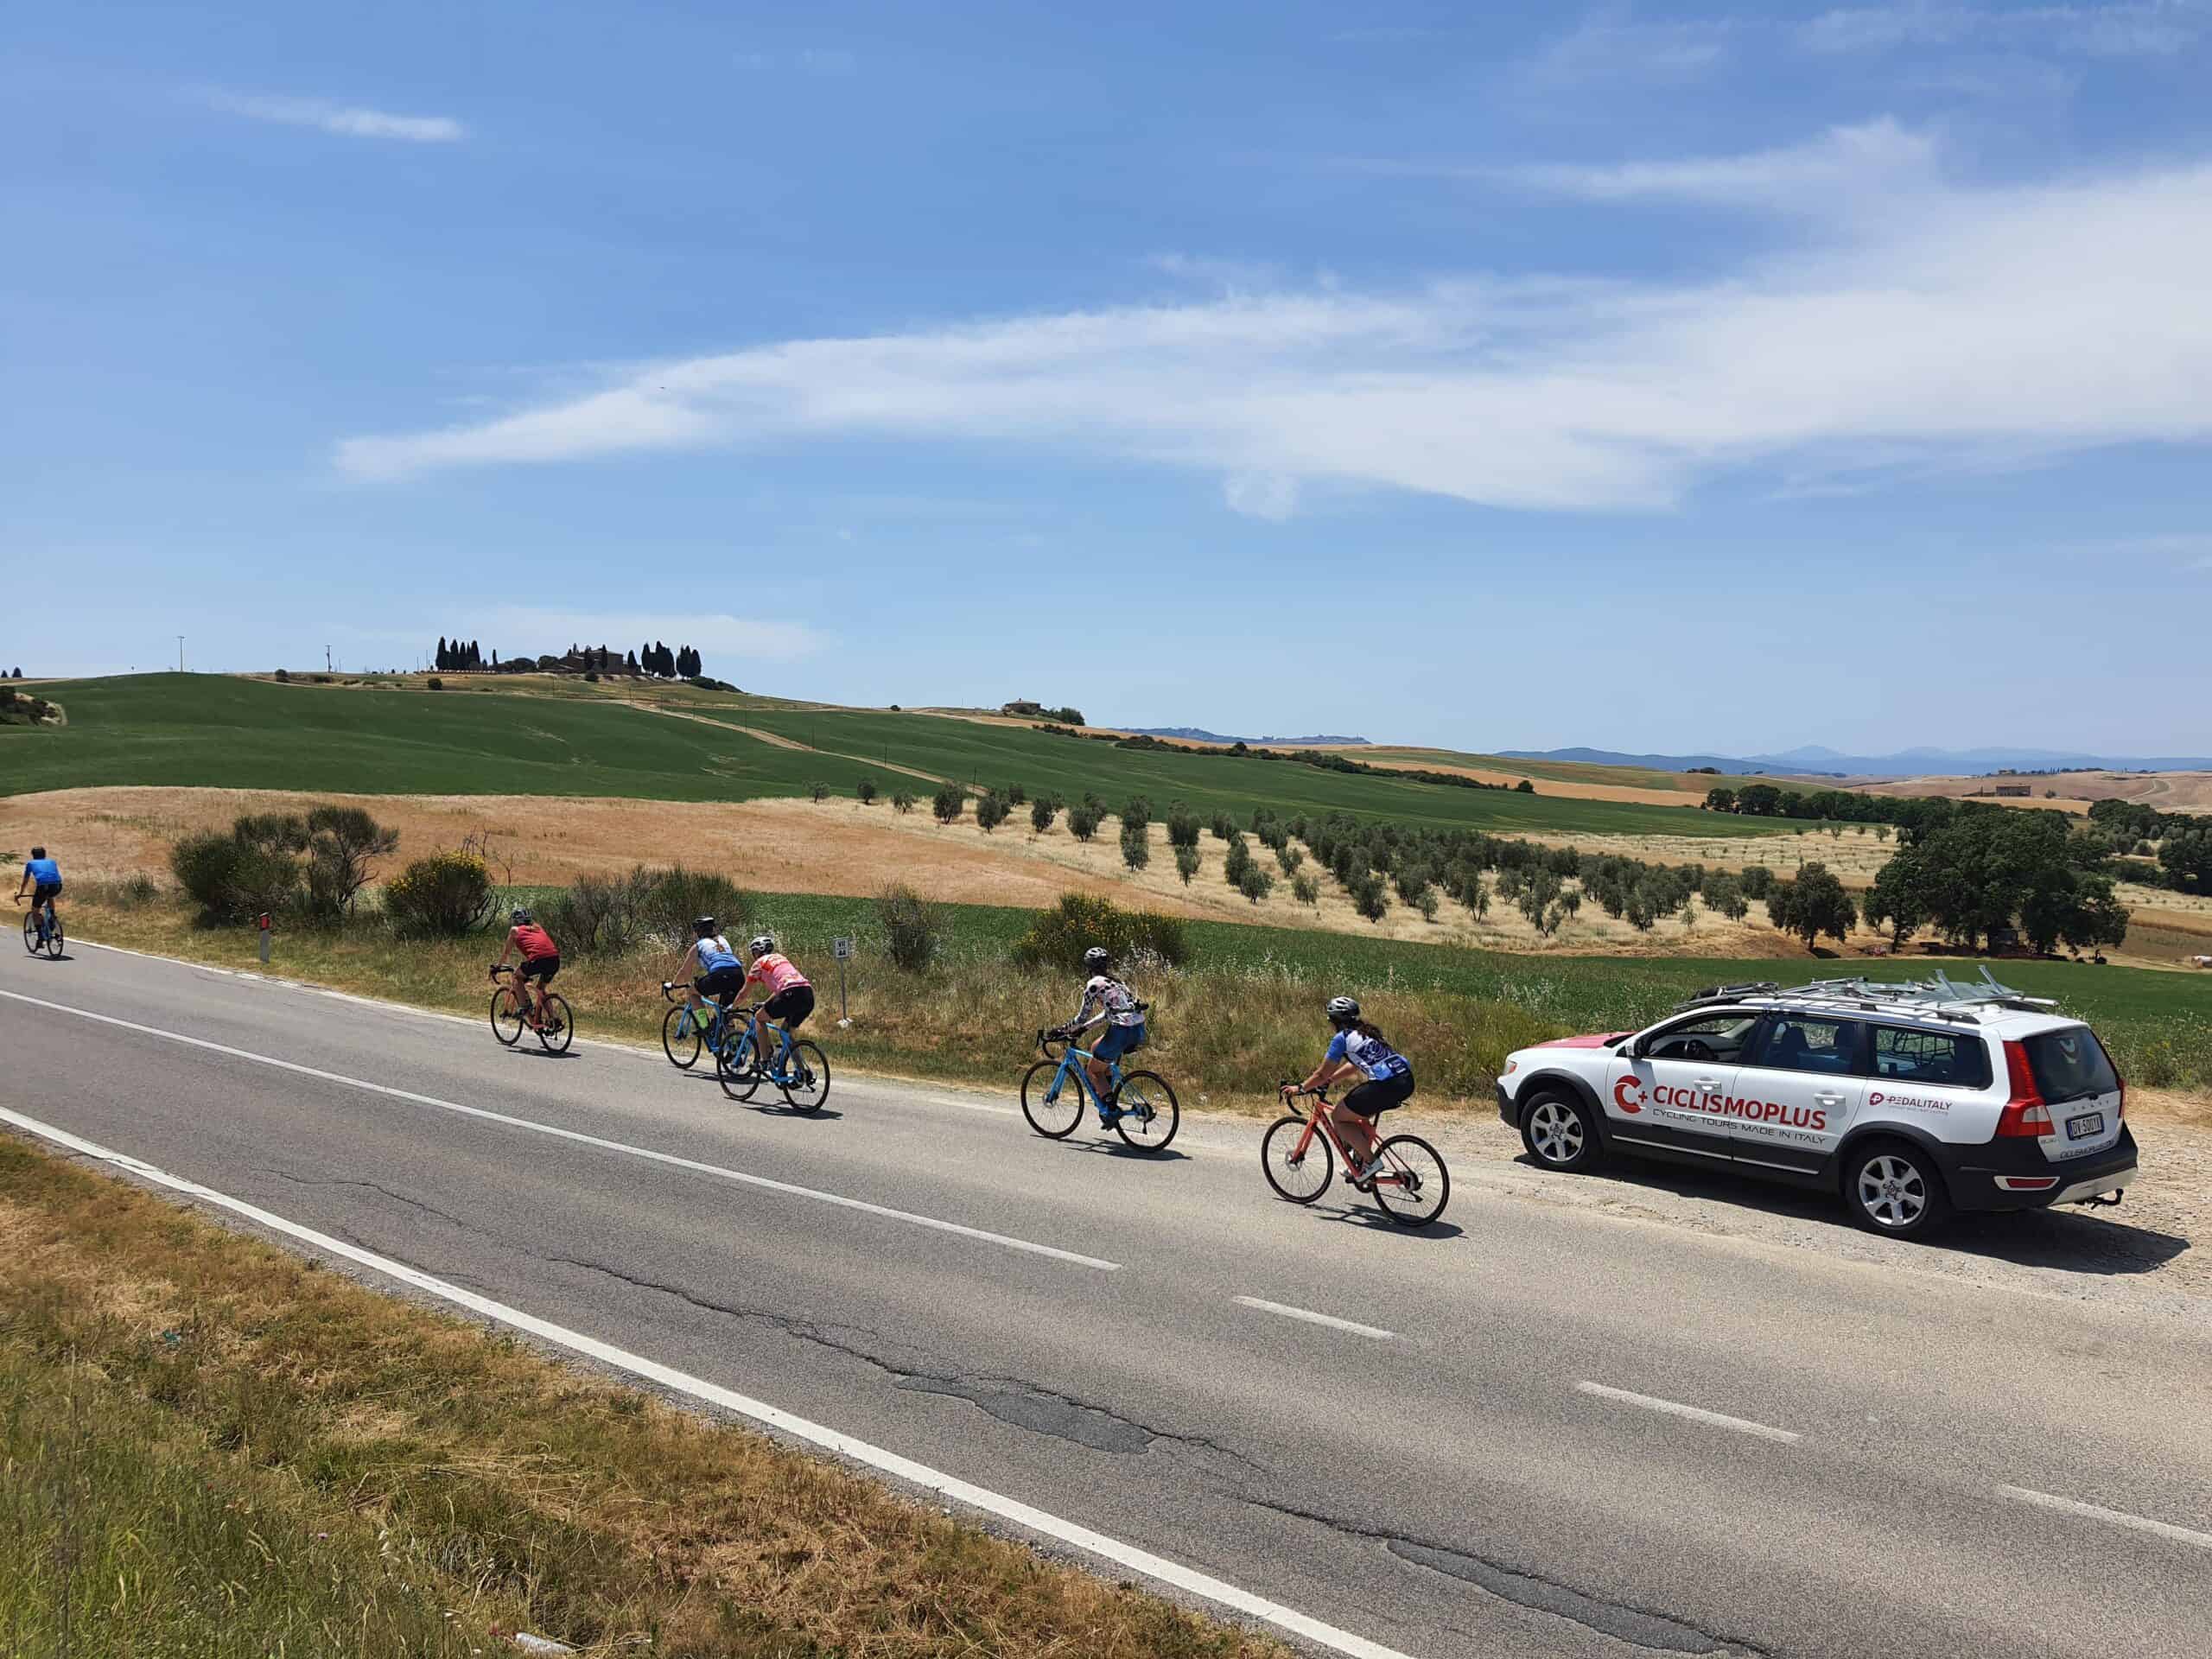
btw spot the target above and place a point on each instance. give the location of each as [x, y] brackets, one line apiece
[2069, 1065]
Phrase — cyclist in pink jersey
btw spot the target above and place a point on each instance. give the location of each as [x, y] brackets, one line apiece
[790, 999]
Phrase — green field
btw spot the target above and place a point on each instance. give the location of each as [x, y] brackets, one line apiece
[480, 736]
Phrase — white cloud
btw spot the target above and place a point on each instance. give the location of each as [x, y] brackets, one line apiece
[350, 120]
[1963, 325]
[1272, 496]
[729, 639]
[2146, 28]
[1609, 47]
[1877, 155]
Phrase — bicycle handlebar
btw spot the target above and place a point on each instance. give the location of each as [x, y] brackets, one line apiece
[1320, 1094]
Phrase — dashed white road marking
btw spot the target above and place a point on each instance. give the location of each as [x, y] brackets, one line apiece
[2115, 1517]
[1174, 1573]
[1695, 1413]
[717, 1170]
[1375, 1331]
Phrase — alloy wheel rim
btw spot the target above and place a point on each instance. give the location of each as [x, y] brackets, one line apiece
[1892, 1191]
[1557, 1133]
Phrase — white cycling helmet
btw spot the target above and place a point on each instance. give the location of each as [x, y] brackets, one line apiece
[763, 945]
[1343, 1009]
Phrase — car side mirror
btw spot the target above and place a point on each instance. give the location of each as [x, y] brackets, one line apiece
[1636, 1048]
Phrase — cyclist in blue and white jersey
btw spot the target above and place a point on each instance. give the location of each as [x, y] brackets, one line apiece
[1386, 1077]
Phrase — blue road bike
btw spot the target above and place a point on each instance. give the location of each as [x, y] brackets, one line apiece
[42, 930]
[1139, 1107]
[800, 1068]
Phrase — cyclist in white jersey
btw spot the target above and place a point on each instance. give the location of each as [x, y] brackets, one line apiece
[1107, 998]
[1359, 1050]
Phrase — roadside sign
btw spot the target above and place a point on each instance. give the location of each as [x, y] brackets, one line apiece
[841, 949]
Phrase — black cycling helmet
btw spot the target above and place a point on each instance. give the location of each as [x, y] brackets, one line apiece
[703, 925]
[1342, 1010]
[1098, 957]
[518, 915]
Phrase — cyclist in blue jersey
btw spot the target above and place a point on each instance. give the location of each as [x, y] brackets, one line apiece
[42, 880]
[1386, 1078]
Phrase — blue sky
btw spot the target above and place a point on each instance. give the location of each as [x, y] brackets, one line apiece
[1646, 378]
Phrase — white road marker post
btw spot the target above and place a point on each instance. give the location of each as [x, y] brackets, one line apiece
[841, 948]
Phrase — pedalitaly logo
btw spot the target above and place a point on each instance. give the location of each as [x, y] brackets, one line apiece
[1906, 1103]
[1633, 1095]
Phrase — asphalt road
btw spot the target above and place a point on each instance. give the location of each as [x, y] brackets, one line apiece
[1890, 1462]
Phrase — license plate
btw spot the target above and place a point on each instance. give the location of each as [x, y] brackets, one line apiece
[2090, 1123]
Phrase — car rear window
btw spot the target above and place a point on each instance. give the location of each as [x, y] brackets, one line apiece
[2069, 1065]
[1955, 1059]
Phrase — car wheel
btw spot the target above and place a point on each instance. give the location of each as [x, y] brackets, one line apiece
[1894, 1189]
[1560, 1133]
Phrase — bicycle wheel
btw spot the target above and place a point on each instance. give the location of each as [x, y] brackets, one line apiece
[54, 939]
[805, 1081]
[31, 931]
[1148, 1114]
[1299, 1177]
[506, 1018]
[1411, 1183]
[683, 1051]
[734, 1070]
[557, 1027]
[1054, 1119]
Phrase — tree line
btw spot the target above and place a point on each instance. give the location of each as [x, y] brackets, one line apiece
[656, 660]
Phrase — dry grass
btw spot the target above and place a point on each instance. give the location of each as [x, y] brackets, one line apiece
[2169, 791]
[387, 1450]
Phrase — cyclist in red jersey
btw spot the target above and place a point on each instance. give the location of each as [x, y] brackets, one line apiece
[541, 960]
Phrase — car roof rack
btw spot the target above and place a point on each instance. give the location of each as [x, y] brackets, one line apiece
[1938, 996]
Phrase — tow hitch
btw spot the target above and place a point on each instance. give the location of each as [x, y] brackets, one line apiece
[2101, 1200]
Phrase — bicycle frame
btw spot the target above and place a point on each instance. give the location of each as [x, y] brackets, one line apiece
[510, 982]
[1069, 1068]
[780, 1067]
[1319, 1121]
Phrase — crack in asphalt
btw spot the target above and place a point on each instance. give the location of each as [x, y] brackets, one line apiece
[1638, 1626]
[1011, 1400]
[374, 1186]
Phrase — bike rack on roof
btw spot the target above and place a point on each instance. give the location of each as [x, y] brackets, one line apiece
[1939, 996]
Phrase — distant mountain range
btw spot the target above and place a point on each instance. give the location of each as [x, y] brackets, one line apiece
[1200, 734]
[1814, 761]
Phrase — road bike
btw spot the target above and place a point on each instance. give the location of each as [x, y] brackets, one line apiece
[42, 931]
[685, 1030]
[555, 1028]
[1139, 1106]
[800, 1068]
[1407, 1177]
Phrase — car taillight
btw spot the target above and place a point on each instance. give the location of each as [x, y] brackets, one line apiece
[2025, 1115]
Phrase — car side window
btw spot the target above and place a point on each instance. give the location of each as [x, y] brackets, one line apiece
[1937, 1058]
[1711, 1037]
[1797, 1042]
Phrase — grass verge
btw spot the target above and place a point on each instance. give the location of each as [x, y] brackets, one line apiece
[1245, 1012]
[213, 1448]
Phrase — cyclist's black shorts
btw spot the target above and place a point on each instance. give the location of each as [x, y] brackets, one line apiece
[541, 969]
[721, 984]
[790, 1007]
[45, 894]
[1372, 1096]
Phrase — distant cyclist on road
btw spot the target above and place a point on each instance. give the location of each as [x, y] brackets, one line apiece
[541, 960]
[1386, 1078]
[43, 879]
[1107, 996]
[719, 976]
[790, 998]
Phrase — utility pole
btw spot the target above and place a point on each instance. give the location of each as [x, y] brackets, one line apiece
[326, 659]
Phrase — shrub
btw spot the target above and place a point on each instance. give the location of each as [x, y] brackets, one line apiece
[818, 791]
[902, 801]
[1083, 820]
[991, 812]
[1183, 826]
[669, 900]
[441, 897]
[433, 683]
[1368, 898]
[1289, 857]
[340, 842]
[1238, 861]
[949, 803]
[237, 876]
[1306, 890]
[1136, 850]
[1757, 881]
[1525, 787]
[1256, 883]
[1427, 905]
[1223, 826]
[1187, 863]
[1015, 795]
[591, 676]
[865, 791]
[1059, 935]
[913, 931]
[1136, 809]
[606, 915]
[1042, 811]
[283, 677]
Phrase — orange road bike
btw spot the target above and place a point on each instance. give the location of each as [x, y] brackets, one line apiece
[511, 1018]
[1407, 1179]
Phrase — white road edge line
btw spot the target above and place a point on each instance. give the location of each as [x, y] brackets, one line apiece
[1185, 1578]
[2117, 1517]
[1695, 1413]
[717, 1170]
[1312, 1318]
